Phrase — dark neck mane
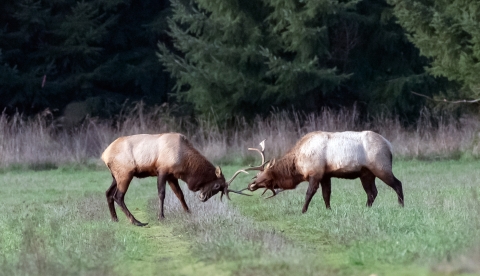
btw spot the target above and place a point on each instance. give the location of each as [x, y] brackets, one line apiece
[197, 170]
[285, 170]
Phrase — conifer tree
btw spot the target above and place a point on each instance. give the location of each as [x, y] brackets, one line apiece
[448, 33]
[243, 57]
[384, 64]
[56, 52]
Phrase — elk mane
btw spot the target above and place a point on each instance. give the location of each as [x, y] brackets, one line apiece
[285, 166]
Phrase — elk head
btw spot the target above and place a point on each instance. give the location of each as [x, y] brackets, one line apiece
[264, 177]
[219, 185]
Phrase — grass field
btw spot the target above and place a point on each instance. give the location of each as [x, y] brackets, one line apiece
[56, 222]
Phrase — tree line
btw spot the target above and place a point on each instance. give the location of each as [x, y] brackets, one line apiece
[232, 58]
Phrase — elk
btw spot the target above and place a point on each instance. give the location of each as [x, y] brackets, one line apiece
[319, 156]
[169, 157]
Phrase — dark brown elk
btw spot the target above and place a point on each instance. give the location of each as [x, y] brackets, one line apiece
[319, 156]
[169, 157]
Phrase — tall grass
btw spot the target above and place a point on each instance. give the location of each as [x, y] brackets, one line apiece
[41, 142]
[221, 234]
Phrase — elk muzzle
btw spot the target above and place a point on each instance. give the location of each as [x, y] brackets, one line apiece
[203, 197]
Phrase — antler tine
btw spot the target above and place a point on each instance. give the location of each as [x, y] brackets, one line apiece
[273, 191]
[257, 168]
[226, 191]
[262, 144]
[261, 153]
[238, 192]
[243, 189]
[235, 175]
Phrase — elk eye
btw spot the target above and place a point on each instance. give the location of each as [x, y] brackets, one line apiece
[216, 186]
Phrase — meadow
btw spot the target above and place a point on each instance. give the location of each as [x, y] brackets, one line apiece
[55, 220]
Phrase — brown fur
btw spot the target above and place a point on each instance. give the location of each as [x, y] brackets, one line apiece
[168, 156]
[365, 155]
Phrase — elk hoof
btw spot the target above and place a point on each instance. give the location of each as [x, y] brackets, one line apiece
[138, 223]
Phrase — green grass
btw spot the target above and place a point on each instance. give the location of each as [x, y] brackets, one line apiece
[56, 222]
[440, 220]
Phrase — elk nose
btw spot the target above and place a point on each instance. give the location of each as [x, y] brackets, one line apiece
[252, 187]
[202, 196]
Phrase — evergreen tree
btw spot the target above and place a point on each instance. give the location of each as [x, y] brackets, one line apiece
[56, 52]
[243, 57]
[448, 33]
[239, 57]
[385, 66]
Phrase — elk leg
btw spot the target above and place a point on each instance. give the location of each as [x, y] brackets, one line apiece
[393, 182]
[368, 183]
[326, 190]
[161, 184]
[312, 189]
[173, 182]
[397, 186]
[119, 197]
[109, 194]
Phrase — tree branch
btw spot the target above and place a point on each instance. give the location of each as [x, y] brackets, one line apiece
[445, 100]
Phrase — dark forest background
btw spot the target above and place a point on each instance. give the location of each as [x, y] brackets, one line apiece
[236, 58]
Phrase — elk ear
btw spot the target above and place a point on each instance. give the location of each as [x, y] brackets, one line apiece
[218, 172]
[270, 164]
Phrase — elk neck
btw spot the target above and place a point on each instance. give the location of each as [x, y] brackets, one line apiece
[199, 171]
[285, 172]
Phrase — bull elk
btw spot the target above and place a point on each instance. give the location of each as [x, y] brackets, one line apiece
[169, 156]
[319, 156]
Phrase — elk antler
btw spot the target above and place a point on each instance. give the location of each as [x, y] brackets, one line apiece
[275, 192]
[259, 168]
[271, 189]
[227, 190]
[235, 175]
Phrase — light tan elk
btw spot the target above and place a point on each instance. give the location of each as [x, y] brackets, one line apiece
[319, 156]
[169, 156]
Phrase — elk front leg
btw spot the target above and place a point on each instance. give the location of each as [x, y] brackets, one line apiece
[173, 182]
[161, 183]
[313, 184]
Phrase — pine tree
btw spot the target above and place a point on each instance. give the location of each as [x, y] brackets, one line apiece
[243, 57]
[57, 52]
[384, 64]
[448, 33]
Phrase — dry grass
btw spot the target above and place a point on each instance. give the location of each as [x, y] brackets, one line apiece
[41, 142]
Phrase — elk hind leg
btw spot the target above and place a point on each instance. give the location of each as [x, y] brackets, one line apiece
[368, 183]
[393, 182]
[109, 194]
[326, 184]
[173, 182]
[119, 197]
